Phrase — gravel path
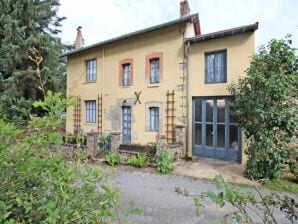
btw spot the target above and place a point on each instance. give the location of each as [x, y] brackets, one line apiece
[155, 195]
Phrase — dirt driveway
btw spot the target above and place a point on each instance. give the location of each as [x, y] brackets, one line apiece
[209, 168]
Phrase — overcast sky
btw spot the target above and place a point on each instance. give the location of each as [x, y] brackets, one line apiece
[104, 19]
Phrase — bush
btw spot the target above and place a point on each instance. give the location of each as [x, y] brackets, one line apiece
[137, 160]
[112, 158]
[265, 106]
[38, 187]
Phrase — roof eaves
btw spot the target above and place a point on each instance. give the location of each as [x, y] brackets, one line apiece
[224, 33]
[136, 33]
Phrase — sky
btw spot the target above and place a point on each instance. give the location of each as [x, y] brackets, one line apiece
[104, 19]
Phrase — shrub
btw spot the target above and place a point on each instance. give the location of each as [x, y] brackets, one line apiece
[112, 158]
[137, 160]
[38, 187]
[265, 106]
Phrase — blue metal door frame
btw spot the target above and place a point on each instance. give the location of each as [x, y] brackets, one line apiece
[126, 124]
[200, 147]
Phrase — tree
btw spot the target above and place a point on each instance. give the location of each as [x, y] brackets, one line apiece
[265, 106]
[25, 24]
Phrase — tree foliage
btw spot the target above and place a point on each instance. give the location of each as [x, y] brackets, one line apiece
[27, 24]
[265, 106]
[38, 186]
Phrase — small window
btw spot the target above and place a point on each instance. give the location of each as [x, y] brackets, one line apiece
[216, 67]
[154, 70]
[126, 74]
[91, 111]
[91, 70]
[154, 119]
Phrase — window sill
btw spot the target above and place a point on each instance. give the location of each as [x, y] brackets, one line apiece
[125, 87]
[88, 82]
[90, 124]
[214, 83]
[153, 85]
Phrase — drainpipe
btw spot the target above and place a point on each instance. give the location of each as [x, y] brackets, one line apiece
[186, 58]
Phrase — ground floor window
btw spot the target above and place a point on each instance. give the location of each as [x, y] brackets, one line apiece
[153, 116]
[90, 111]
[154, 119]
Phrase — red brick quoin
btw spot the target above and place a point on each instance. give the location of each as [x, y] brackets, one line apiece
[121, 71]
[149, 57]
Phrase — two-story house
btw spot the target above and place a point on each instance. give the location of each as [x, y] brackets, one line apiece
[165, 79]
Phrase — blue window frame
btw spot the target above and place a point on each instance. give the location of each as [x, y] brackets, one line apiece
[154, 119]
[91, 70]
[154, 70]
[126, 74]
[91, 111]
[216, 67]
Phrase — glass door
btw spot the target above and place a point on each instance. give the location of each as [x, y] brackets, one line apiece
[215, 134]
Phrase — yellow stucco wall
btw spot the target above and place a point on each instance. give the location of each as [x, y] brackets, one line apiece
[169, 41]
[240, 49]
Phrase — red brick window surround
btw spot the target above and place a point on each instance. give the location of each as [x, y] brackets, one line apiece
[153, 64]
[126, 72]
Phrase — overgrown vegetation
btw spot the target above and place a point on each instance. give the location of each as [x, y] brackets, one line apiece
[265, 106]
[138, 160]
[283, 184]
[38, 186]
[112, 158]
[249, 207]
[163, 157]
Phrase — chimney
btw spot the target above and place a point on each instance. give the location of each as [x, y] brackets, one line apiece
[184, 8]
[79, 39]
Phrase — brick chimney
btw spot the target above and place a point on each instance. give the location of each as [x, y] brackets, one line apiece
[184, 8]
[79, 39]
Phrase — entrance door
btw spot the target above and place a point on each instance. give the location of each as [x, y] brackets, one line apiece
[215, 135]
[126, 125]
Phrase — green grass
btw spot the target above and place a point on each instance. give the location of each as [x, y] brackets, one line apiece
[285, 184]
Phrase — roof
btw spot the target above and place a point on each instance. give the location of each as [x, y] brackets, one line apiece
[224, 33]
[133, 34]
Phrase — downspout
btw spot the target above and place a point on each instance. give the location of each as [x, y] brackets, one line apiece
[186, 55]
[103, 68]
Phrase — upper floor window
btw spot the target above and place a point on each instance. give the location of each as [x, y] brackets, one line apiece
[90, 111]
[154, 70]
[154, 119]
[216, 67]
[126, 74]
[91, 70]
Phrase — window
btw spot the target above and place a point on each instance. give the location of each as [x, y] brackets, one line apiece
[154, 70]
[154, 119]
[216, 67]
[91, 70]
[126, 74]
[91, 111]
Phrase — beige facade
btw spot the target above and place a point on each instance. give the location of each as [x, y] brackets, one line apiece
[239, 49]
[171, 95]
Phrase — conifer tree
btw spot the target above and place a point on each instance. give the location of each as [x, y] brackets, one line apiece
[26, 24]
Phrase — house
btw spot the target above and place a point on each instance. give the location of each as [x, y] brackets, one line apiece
[169, 79]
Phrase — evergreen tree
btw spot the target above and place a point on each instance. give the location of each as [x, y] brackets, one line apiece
[26, 24]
